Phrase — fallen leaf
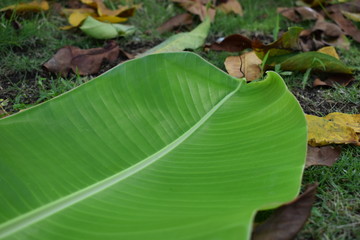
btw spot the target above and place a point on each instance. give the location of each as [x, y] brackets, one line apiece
[174, 22]
[352, 16]
[101, 30]
[298, 14]
[287, 43]
[35, 6]
[228, 6]
[232, 43]
[322, 156]
[337, 128]
[338, 78]
[317, 61]
[323, 34]
[247, 65]
[348, 27]
[329, 50]
[314, 3]
[198, 7]
[288, 219]
[102, 10]
[181, 41]
[81, 61]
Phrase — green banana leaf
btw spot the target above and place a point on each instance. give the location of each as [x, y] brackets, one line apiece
[161, 147]
[181, 41]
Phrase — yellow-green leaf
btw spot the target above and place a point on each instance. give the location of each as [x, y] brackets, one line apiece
[338, 128]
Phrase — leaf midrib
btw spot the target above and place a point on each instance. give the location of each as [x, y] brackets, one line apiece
[47, 210]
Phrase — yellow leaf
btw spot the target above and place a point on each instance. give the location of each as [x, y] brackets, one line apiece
[68, 11]
[35, 6]
[329, 50]
[338, 128]
[76, 18]
[112, 19]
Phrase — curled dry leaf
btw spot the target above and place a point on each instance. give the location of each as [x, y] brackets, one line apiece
[322, 156]
[288, 219]
[81, 61]
[298, 14]
[323, 34]
[247, 65]
[35, 6]
[174, 22]
[337, 128]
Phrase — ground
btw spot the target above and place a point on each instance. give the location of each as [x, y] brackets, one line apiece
[27, 42]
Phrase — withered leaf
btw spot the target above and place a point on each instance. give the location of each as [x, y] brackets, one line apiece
[198, 7]
[247, 65]
[232, 43]
[298, 14]
[288, 219]
[348, 27]
[228, 6]
[334, 128]
[81, 61]
[174, 22]
[334, 78]
[322, 156]
[34, 6]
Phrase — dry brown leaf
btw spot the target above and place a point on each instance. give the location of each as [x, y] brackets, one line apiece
[81, 61]
[345, 24]
[228, 6]
[232, 43]
[342, 79]
[298, 14]
[174, 22]
[323, 34]
[198, 7]
[288, 219]
[337, 128]
[247, 65]
[322, 156]
[35, 6]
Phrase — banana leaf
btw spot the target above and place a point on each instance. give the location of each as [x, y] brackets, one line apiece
[161, 147]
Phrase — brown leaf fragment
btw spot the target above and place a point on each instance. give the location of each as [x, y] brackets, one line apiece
[228, 6]
[335, 128]
[339, 78]
[232, 43]
[174, 22]
[81, 61]
[322, 156]
[298, 14]
[198, 7]
[345, 24]
[323, 34]
[288, 219]
[247, 65]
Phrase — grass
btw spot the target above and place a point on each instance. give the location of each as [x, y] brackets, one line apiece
[24, 83]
